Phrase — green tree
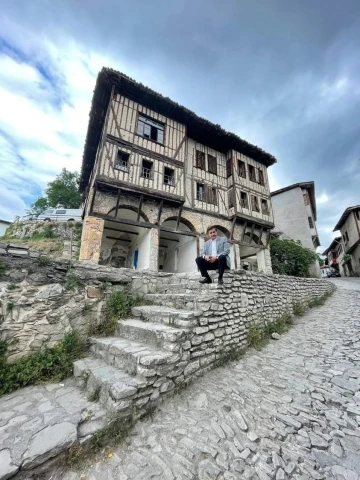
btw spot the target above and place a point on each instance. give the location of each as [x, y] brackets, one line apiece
[61, 192]
[290, 258]
[320, 260]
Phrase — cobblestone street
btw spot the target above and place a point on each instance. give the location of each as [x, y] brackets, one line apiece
[291, 410]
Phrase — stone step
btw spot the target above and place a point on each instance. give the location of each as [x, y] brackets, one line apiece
[183, 301]
[115, 389]
[190, 287]
[156, 334]
[167, 315]
[133, 357]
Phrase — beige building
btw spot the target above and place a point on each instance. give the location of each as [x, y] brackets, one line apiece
[335, 254]
[294, 210]
[155, 176]
[349, 226]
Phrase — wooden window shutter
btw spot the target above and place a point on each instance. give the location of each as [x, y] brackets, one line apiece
[212, 165]
[229, 167]
[200, 159]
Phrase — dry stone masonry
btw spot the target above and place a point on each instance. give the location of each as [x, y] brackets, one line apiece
[182, 331]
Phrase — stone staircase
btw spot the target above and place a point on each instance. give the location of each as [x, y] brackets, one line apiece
[131, 372]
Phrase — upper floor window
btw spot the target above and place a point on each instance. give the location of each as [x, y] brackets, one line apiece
[252, 173]
[228, 167]
[200, 159]
[306, 199]
[311, 223]
[255, 204]
[244, 200]
[169, 176]
[264, 207]
[212, 165]
[358, 214]
[346, 237]
[241, 169]
[122, 161]
[147, 168]
[200, 192]
[211, 195]
[149, 128]
[231, 199]
[261, 177]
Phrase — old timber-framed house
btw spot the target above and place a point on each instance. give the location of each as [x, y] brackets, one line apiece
[155, 176]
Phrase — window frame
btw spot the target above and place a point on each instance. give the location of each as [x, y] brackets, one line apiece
[229, 167]
[255, 203]
[151, 176]
[246, 200]
[311, 222]
[212, 160]
[252, 169]
[200, 161]
[264, 201]
[156, 122]
[211, 195]
[203, 199]
[125, 168]
[261, 177]
[241, 163]
[173, 176]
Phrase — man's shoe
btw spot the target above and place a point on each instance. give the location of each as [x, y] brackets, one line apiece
[205, 280]
[221, 281]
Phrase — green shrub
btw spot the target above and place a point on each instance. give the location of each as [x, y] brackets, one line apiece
[256, 337]
[9, 306]
[11, 286]
[299, 309]
[51, 364]
[71, 281]
[290, 258]
[118, 305]
[2, 268]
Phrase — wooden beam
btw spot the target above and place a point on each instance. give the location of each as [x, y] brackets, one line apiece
[252, 233]
[268, 238]
[178, 232]
[179, 147]
[163, 246]
[261, 232]
[232, 228]
[121, 239]
[139, 208]
[122, 231]
[178, 218]
[243, 233]
[159, 212]
[117, 203]
[169, 239]
[123, 220]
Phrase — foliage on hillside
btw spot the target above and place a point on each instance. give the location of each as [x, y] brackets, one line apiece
[61, 192]
[290, 258]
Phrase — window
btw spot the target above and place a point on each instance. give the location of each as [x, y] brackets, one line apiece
[346, 237]
[252, 173]
[244, 200]
[151, 129]
[261, 177]
[200, 192]
[228, 167]
[146, 170]
[200, 159]
[311, 223]
[255, 204]
[306, 199]
[212, 166]
[231, 198]
[241, 169]
[60, 212]
[211, 196]
[169, 176]
[122, 161]
[358, 214]
[264, 207]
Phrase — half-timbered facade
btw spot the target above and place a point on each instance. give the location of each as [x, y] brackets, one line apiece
[155, 176]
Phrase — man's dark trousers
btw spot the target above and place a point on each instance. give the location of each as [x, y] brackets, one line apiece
[204, 266]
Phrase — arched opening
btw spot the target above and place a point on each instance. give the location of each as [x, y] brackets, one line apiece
[177, 250]
[222, 231]
[128, 212]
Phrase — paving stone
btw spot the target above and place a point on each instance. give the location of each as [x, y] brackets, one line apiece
[7, 468]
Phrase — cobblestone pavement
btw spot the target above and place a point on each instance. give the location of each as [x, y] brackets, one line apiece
[291, 410]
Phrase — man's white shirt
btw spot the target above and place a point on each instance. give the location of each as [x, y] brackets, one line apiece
[213, 248]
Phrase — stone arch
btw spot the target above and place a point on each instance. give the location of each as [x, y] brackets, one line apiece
[132, 209]
[183, 221]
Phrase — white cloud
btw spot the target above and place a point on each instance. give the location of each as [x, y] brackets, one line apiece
[323, 198]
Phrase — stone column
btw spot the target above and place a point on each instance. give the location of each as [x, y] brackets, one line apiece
[154, 249]
[264, 261]
[91, 238]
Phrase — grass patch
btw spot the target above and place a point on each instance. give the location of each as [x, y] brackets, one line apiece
[95, 395]
[11, 286]
[299, 309]
[72, 281]
[230, 355]
[320, 301]
[2, 268]
[10, 306]
[51, 364]
[256, 336]
[103, 440]
[118, 306]
[43, 261]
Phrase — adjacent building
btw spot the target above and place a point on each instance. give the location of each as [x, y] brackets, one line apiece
[155, 176]
[294, 209]
[3, 226]
[349, 226]
[335, 254]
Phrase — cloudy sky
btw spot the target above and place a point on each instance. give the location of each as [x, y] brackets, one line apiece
[284, 75]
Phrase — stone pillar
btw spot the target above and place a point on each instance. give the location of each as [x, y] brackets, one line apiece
[237, 257]
[91, 238]
[264, 261]
[154, 249]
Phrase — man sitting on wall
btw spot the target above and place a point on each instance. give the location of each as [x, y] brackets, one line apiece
[214, 255]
